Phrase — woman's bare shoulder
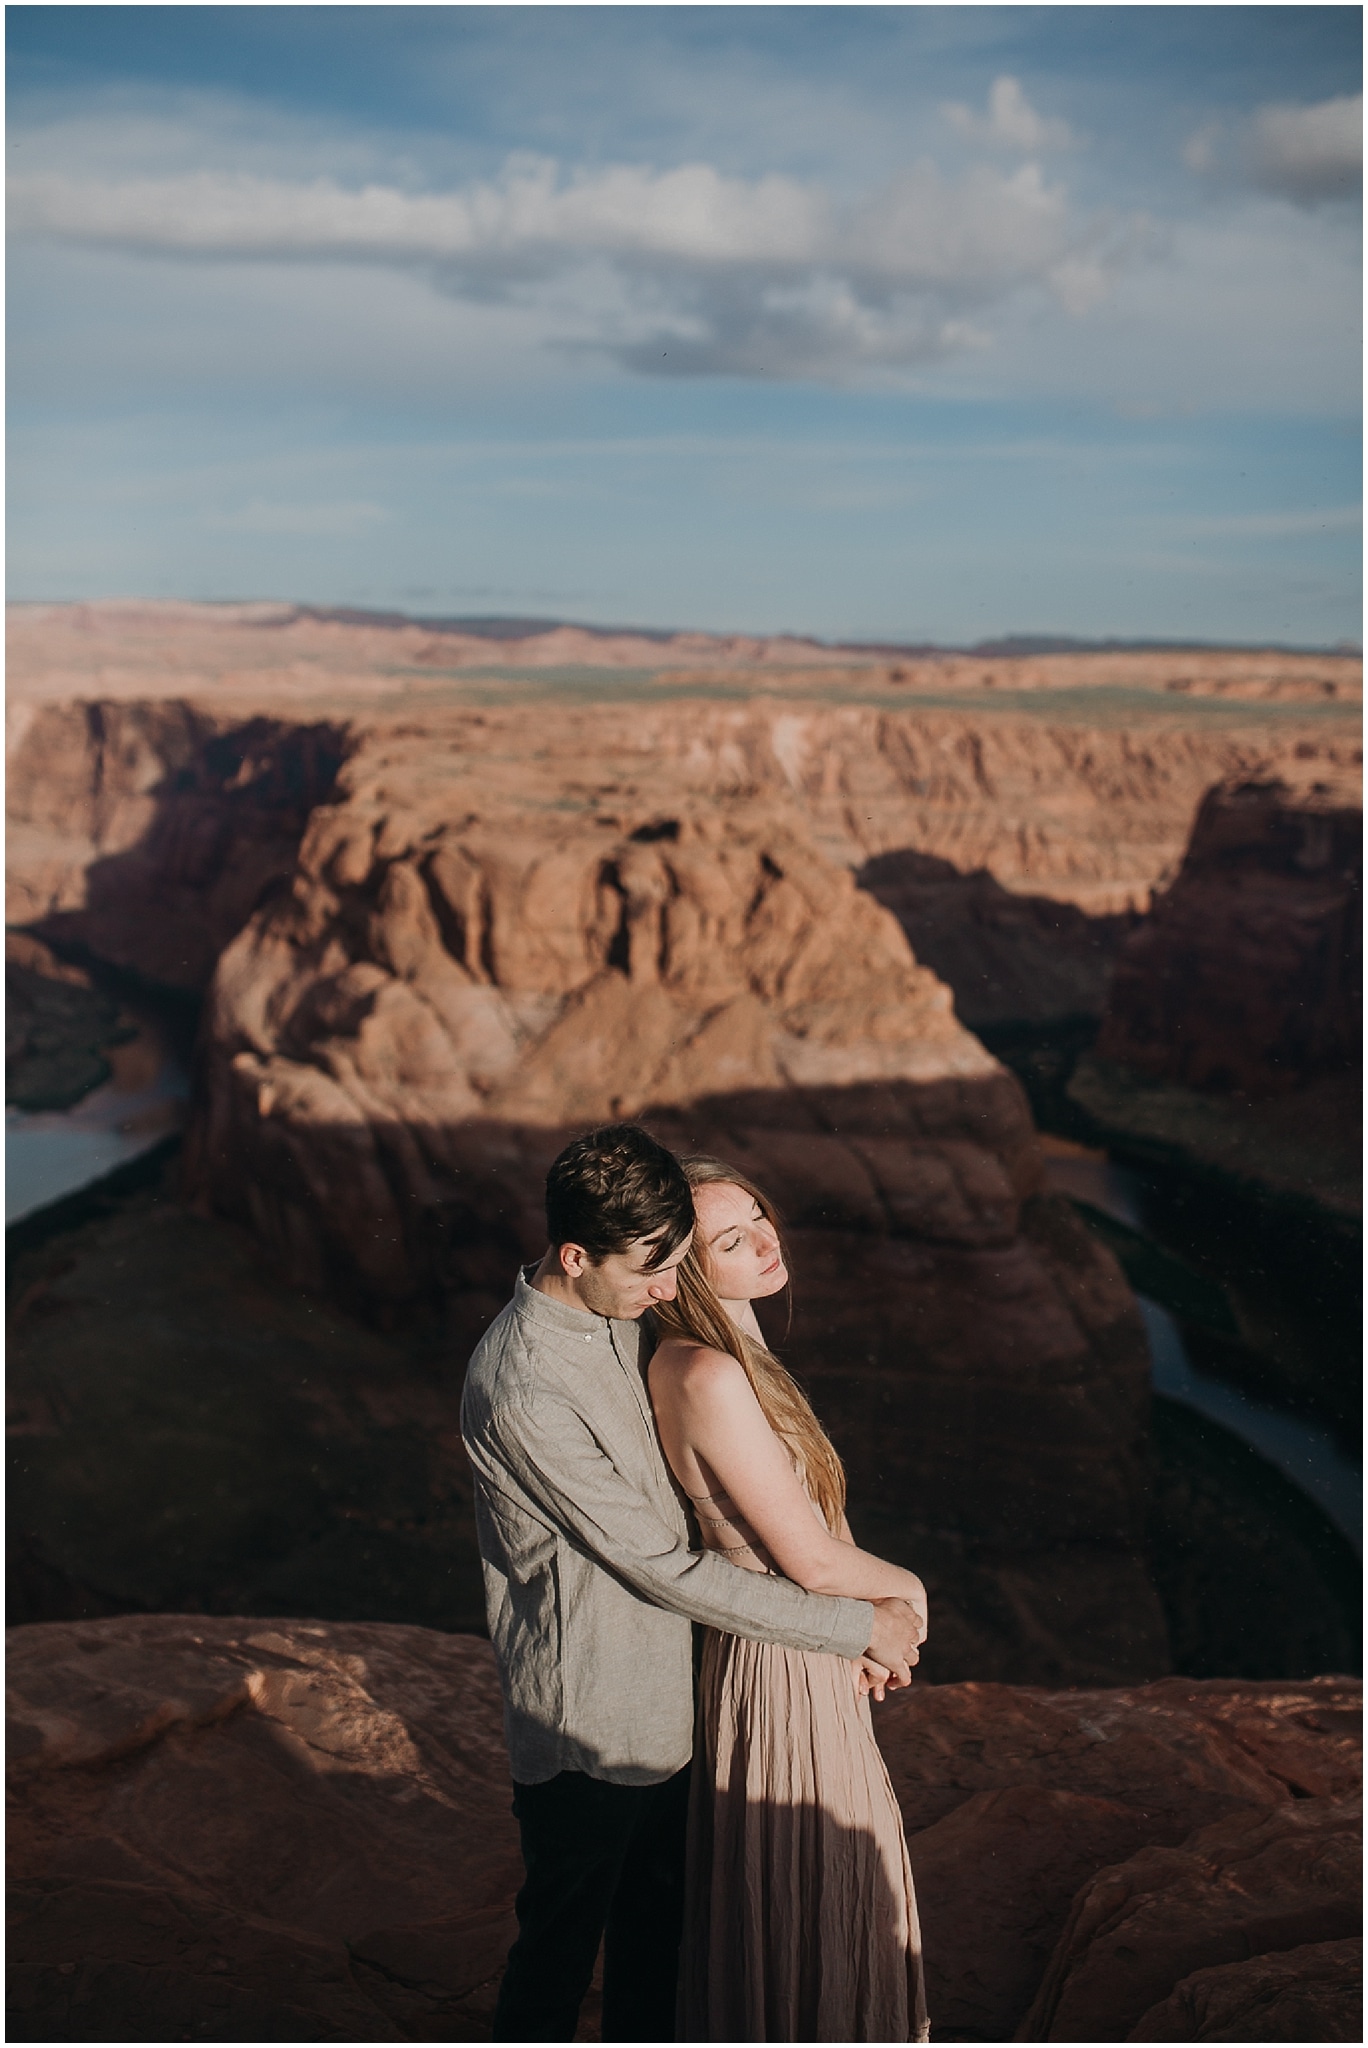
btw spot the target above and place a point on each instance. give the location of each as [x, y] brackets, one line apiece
[696, 1369]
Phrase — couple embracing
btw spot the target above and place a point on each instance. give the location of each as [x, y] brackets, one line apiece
[643, 1461]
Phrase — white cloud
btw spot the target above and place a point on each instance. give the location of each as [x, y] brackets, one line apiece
[1246, 308]
[917, 230]
[1010, 123]
[681, 271]
[1309, 153]
[1302, 153]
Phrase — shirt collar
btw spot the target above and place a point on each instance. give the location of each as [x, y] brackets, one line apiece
[529, 1301]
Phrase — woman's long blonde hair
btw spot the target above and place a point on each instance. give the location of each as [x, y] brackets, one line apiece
[697, 1315]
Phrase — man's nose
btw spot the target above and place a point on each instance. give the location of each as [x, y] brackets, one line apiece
[664, 1287]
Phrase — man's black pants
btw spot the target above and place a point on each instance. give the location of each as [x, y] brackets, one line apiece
[604, 1862]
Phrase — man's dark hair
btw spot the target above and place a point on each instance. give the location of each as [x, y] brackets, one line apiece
[613, 1186]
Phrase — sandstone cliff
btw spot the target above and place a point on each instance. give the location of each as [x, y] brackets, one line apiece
[394, 1051]
[1075, 775]
[57, 1028]
[447, 918]
[1227, 1066]
[440, 995]
[1247, 976]
[188, 1433]
[230, 1830]
[146, 834]
[1014, 841]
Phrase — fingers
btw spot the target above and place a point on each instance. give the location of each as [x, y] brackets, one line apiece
[899, 1631]
[872, 1676]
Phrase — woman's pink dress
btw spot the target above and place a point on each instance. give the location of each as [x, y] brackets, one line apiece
[800, 1917]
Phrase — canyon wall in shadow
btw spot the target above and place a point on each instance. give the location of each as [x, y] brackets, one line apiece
[441, 922]
[1227, 1067]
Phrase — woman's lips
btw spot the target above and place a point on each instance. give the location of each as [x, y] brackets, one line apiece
[772, 1267]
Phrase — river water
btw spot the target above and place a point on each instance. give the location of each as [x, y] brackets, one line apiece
[50, 1154]
[1304, 1453]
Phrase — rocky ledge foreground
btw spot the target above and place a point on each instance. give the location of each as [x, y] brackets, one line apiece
[286, 1830]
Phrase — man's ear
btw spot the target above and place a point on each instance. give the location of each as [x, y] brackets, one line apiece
[573, 1259]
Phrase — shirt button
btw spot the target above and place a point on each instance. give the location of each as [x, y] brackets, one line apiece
[588, 1336]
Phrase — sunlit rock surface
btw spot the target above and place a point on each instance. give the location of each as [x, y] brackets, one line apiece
[1073, 775]
[280, 1829]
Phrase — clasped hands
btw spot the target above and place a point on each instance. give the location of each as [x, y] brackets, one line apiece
[894, 1646]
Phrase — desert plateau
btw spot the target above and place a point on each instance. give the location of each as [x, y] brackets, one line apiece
[1026, 978]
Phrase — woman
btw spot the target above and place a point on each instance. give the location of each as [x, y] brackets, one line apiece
[800, 1922]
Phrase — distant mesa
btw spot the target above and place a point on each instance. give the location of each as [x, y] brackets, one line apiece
[145, 647]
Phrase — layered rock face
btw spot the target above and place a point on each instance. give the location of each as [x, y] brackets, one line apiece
[1228, 1062]
[1013, 959]
[448, 919]
[147, 833]
[1227, 1070]
[431, 990]
[1247, 976]
[1078, 795]
[294, 1830]
[394, 1052]
[57, 1028]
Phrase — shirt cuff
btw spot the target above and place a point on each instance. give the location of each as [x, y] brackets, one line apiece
[854, 1626]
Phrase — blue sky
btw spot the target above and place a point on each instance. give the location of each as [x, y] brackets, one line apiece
[873, 323]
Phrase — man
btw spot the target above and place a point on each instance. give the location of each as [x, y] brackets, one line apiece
[591, 1587]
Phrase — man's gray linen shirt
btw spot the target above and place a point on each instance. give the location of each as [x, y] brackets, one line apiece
[590, 1581]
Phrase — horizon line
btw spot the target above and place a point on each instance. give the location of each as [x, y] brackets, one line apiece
[516, 626]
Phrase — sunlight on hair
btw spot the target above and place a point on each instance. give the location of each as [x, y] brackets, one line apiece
[697, 1315]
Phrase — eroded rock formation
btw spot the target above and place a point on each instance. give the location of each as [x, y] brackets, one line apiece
[1298, 1994]
[291, 1830]
[146, 833]
[447, 919]
[1228, 1067]
[1247, 976]
[435, 1002]
[394, 1051]
[58, 1027]
[1013, 959]
[1053, 780]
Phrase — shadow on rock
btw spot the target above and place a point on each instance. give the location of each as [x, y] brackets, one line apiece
[295, 1830]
